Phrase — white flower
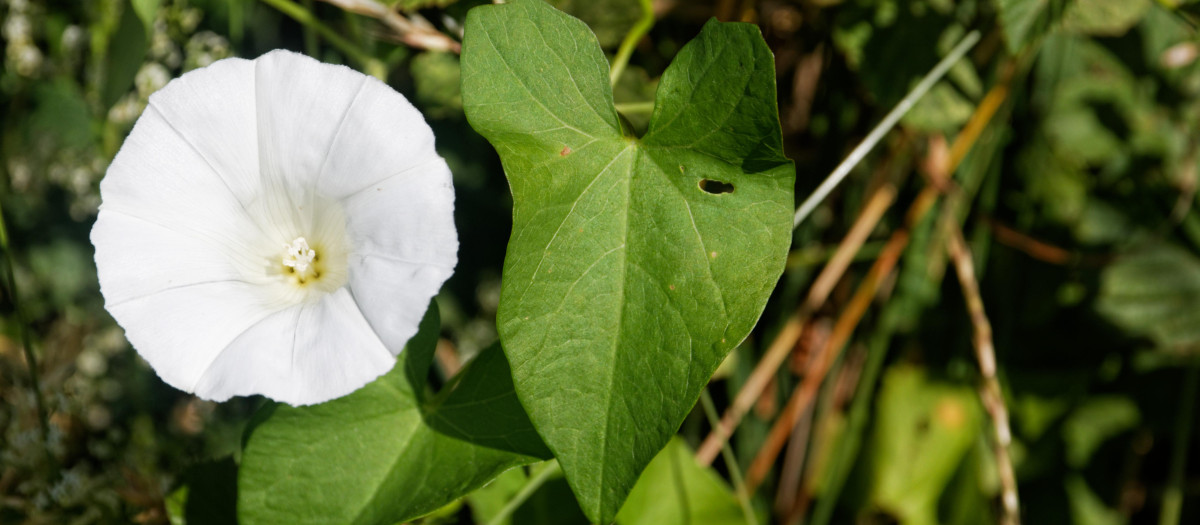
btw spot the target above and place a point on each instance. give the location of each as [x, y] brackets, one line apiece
[276, 227]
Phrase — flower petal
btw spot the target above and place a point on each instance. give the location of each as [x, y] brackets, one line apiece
[388, 137]
[302, 104]
[160, 177]
[213, 109]
[138, 259]
[345, 130]
[179, 331]
[404, 247]
[306, 354]
[233, 161]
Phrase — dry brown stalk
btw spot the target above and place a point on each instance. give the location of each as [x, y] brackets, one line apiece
[979, 120]
[791, 331]
[411, 32]
[989, 390]
[783, 344]
[1032, 247]
[447, 357]
[842, 330]
[866, 291]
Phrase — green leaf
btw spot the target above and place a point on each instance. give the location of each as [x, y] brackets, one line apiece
[436, 77]
[1104, 17]
[924, 429]
[675, 490]
[208, 494]
[124, 57]
[626, 282]
[147, 10]
[610, 20]
[380, 455]
[1086, 507]
[1154, 292]
[1018, 18]
[487, 502]
[1099, 419]
[62, 114]
[942, 110]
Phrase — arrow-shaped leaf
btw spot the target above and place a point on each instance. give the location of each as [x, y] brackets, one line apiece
[635, 264]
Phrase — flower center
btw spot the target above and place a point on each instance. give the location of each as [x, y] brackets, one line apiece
[298, 256]
[300, 250]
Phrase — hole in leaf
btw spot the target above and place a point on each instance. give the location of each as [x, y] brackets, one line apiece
[715, 187]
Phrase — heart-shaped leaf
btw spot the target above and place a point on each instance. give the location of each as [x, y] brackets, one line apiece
[675, 490]
[383, 454]
[635, 264]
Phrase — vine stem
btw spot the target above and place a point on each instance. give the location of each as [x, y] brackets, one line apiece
[1172, 502]
[23, 333]
[735, 471]
[989, 391]
[635, 34]
[886, 125]
[635, 107]
[371, 65]
[526, 491]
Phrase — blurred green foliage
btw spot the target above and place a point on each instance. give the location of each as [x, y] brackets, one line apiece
[1077, 199]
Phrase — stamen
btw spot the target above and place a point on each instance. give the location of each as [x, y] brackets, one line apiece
[298, 255]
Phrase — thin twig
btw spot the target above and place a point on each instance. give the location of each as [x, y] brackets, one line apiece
[816, 254]
[23, 332]
[782, 346]
[526, 491]
[989, 391]
[793, 459]
[842, 330]
[889, 121]
[1172, 502]
[842, 392]
[635, 35]
[411, 32]
[735, 471]
[1032, 247]
[979, 120]
[414, 32]
[370, 64]
[842, 457]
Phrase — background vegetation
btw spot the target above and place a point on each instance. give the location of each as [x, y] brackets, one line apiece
[1059, 159]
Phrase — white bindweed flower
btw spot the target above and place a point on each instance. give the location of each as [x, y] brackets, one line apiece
[274, 226]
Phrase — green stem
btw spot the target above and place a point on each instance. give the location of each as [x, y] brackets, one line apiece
[23, 332]
[890, 121]
[526, 491]
[237, 24]
[371, 65]
[1172, 504]
[636, 33]
[735, 472]
[635, 107]
[310, 36]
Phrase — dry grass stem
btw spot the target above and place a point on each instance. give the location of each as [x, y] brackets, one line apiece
[803, 396]
[783, 344]
[415, 32]
[989, 391]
